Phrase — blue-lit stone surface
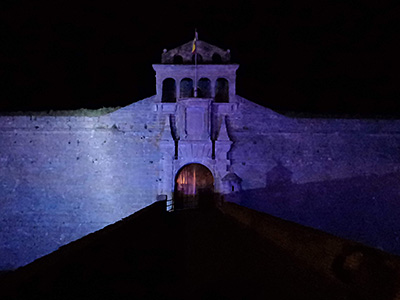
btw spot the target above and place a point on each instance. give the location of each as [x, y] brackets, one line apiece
[63, 177]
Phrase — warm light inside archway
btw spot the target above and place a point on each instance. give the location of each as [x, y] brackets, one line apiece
[194, 184]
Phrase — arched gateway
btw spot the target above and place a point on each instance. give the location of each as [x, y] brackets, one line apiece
[194, 187]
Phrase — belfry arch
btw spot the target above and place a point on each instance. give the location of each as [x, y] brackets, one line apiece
[204, 88]
[194, 187]
[168, 90]
[222, 90]
[186, 88]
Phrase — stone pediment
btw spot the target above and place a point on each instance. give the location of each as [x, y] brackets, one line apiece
[207, 54]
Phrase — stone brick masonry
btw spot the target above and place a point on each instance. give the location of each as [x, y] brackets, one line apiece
[62, 177]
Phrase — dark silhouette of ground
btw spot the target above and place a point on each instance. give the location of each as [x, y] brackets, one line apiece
[154, 254]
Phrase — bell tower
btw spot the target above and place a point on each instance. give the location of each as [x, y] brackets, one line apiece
[196, 129]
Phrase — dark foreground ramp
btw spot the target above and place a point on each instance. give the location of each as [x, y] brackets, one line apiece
[154, 254]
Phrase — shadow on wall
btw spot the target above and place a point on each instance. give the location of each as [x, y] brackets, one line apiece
[363, 209]
[279, 176]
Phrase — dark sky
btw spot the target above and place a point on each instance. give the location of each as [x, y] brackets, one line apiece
[312, 56]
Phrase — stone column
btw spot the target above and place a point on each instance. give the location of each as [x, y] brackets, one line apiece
[158, 86]
[212, 87]
[178, 88]
[232, 87]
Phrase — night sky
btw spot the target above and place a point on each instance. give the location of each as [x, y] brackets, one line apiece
[321, 57]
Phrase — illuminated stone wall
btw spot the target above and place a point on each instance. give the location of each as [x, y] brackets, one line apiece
[337, 175]
[64, 177]
[310, 150]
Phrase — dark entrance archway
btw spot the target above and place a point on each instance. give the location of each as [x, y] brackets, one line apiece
[194, 187]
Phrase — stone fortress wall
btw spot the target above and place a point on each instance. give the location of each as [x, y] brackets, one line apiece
[65, 177]
[337, 175]
[310, 149]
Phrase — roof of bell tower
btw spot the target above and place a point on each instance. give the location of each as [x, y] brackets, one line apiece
[206, 54]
